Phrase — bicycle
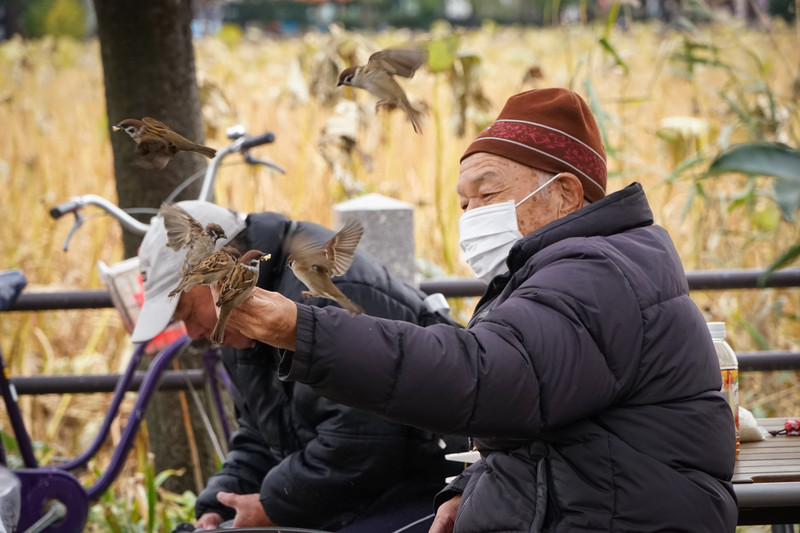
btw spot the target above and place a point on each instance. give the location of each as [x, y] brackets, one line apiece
[51, 497]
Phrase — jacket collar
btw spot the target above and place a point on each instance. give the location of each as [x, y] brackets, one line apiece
[617, 212]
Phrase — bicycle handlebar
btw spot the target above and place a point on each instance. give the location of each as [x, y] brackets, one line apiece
[70, 206]
[258, 140]
[241, 144]
[76, 203]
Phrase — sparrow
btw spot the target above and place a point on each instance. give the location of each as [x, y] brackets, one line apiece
[315, 265]
[184, 231]
[236, 288]
[208, 272]
[377, 77]
[156, 143]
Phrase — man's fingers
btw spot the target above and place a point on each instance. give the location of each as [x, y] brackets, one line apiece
[227, 498]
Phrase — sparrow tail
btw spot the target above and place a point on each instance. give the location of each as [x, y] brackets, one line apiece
[415, 116]
[205, 150]
[183, 286]
[175, 292]
[351, 307]
[219, 330]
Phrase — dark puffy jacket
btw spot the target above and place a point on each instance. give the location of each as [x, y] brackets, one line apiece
[317, 463]
[587, 374]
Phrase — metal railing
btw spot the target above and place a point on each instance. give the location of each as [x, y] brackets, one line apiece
[451, 288]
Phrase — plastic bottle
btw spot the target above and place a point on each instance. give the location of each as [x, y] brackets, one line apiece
[729, 367]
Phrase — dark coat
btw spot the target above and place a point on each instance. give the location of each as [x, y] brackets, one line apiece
[587, 374]
[317, 463]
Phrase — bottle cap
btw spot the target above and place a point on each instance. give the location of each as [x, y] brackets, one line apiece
[717, 329]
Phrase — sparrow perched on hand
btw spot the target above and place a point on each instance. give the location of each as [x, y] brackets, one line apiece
[314, 265]
[156, 143]
[211, 270]
[377, 77]
[236, 288]
[184, 231]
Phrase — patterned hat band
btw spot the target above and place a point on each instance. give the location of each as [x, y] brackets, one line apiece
[545, 148]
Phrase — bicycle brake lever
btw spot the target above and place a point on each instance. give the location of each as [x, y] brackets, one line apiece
[250, 160]
[75, 225]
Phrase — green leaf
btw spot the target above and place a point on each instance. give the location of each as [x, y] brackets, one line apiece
[760, 340]
[784, 259]
[774, 160]
[762, 159]
[600, 115]
[787, 196]
[691, 161]
[617, 58]
[611, 19]
[442, 53]
[162, 476]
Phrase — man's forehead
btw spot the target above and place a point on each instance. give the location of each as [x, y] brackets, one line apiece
[484, 170]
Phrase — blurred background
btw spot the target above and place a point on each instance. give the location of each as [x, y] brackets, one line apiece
[674, 84]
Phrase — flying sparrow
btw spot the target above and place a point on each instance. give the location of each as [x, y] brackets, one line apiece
[314, 265]
[377, 77]
[184, 231]
[211, 270]
[156, 143]
[236, 288]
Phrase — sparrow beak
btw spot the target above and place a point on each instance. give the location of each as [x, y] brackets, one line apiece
[339, 84]
[115, 128]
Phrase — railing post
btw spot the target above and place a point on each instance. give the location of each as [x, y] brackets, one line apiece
[388, 231]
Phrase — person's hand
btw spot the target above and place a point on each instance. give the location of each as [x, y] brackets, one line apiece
[208, 521]
[266, 316]
[445, 519]
[249, 511]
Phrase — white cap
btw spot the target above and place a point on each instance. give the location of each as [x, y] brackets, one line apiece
[161, 266]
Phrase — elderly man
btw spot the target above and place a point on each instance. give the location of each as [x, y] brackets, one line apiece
[587, 375]
[298, 459]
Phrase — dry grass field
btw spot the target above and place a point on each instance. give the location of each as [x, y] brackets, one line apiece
[54, 144]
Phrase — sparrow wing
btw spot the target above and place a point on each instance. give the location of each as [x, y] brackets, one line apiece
[215, 267]
[153, 152]
[342, 247]
[181, 143]
[182, 228]
[401, 62]
[301, 247]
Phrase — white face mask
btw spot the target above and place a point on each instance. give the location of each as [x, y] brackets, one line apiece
[488, 233]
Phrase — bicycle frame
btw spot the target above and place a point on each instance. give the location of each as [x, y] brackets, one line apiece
[42, 485]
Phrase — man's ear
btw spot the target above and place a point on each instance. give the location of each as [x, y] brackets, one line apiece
[571, 190]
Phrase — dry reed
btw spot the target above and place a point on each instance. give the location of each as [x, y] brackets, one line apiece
[54, 144]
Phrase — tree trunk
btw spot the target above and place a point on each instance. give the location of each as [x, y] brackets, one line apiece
[148, 65]
[11, 18]
[149, 70]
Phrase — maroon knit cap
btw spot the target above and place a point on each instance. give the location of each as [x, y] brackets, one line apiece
[551, 130]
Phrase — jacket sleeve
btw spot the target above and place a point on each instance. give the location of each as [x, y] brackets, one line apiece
[353, 458]
[457, 485]
[539, 348]
[245, 466]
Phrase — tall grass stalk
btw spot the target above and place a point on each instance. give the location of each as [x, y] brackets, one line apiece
[54, 144]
